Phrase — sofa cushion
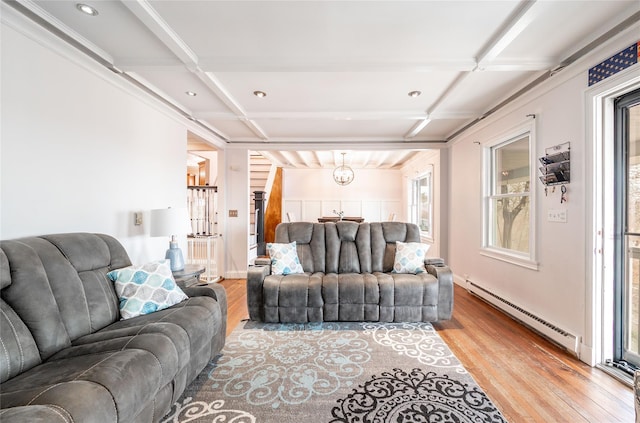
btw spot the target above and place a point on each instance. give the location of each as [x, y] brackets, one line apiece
[69, 294]
[35, 414]
[146, 288]
[410, 257]
[30, 295]
[5, 272]
[19, 351]
[351, 297]
[293, 298]
[108, 386]
[284, 258]
[85, 291]
[200, 318]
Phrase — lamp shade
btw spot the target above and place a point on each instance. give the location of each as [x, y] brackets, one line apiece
[170, 221]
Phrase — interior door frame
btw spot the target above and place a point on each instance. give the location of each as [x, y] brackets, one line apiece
[597, 344]
[621, 225]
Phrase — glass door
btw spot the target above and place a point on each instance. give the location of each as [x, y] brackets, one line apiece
[628, 228]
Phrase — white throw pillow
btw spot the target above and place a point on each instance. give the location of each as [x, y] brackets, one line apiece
[284, 258]
[146, 288]
[410, 257]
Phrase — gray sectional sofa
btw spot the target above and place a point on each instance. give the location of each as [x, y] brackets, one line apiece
[348, 276]
[65, 354]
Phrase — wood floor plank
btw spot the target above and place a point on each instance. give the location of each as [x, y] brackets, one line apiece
[528, 378]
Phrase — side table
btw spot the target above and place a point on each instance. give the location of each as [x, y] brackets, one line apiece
[188, 276]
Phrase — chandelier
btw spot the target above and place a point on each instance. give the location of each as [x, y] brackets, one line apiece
[343, 175]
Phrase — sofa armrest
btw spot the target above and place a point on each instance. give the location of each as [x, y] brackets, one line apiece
[255, 280]
[217, 292]
[445, 288]
[213, 290]
[262, 261]
[34, 413]
[434, 261]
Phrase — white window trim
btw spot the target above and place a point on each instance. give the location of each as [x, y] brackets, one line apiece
[529, 260]
[424, 235]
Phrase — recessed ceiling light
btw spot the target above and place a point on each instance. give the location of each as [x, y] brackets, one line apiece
[191, 93]
[414, 93]
[260, 94]
[85, 8]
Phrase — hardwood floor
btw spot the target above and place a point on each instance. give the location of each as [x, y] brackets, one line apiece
[528, 378]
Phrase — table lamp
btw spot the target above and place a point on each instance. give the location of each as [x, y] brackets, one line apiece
[171, 222]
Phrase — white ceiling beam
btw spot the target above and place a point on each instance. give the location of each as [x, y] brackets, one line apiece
[457, 115]
[330, 143]
[358, 116]
[64, 29]
[222, 64]
[519, 20]
[306, 158]
[396, 160]
[498, 65]
[516, 23]
[319, 147]
[161, 29]
[212, 82]
[271, 155]
[366, 158]
[419, 126]
[316, 157]
[158, 26]
[291, 158]
[364, 116]
[177, 65]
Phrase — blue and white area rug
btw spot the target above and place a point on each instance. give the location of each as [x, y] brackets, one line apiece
[334, 372]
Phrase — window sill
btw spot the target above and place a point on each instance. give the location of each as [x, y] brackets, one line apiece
[510, 258]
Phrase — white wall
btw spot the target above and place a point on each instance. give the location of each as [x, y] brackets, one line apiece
[557, 290]
[312, 193]
[80, 154]
[236, 197]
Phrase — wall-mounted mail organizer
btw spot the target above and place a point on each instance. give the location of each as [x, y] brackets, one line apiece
[556, 165]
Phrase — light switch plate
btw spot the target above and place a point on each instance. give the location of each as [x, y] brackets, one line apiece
[557, 215]
[233, 213]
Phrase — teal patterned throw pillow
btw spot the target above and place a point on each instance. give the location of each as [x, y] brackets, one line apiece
[284, 258]
[410, 257]
[146, 288]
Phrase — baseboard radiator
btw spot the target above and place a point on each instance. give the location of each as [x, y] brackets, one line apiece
[202, 251]
[550, 331]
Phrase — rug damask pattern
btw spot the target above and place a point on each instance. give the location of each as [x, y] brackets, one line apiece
[334, 372]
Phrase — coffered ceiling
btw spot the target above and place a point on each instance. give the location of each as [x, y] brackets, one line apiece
[336, 74]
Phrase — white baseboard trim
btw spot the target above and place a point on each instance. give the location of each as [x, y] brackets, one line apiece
[562, 337]
[235, 274]
[587, 355]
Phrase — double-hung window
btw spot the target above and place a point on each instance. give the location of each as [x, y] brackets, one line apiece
[509, 223]
[422, 203]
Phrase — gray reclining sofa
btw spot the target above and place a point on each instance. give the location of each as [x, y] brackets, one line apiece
[65, 354]
[348, 277]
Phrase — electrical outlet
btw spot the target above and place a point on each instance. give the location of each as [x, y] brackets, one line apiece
[557, 215]
[137, 218]
[233, 213]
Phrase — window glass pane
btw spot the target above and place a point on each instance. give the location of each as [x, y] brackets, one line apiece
[632, 277]
[511, 223]
[631, 272]
[511, 167]
[425, 204]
